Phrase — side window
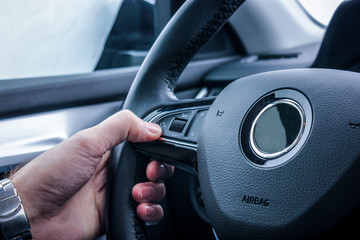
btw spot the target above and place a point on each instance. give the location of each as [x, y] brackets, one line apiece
[48, 38]
[320, 11]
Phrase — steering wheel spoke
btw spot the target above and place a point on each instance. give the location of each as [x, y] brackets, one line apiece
[181, 124]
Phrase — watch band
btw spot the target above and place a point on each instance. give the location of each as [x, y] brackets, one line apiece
[13, 221]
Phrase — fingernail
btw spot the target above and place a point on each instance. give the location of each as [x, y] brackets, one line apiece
[162, 172]
[146, 193]
[149, 211]
[153, 128]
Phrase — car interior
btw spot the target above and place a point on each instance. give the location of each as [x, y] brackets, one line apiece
[257, 103]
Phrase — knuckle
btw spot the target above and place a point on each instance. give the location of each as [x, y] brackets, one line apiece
[134, 126]
[128, 115]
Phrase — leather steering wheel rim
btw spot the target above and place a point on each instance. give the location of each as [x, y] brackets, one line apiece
[194, 24]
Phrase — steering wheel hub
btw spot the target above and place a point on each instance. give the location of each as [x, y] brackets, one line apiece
[301, 168]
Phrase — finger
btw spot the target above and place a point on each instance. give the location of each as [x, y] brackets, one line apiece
[114, 130]
[148, 192]
[150, 212]
[156, 171]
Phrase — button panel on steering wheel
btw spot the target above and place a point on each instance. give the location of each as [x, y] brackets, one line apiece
[181, 125]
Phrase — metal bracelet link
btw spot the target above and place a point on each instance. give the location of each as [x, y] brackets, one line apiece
[13, 221]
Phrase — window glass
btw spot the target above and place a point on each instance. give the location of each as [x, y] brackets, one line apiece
[320, 10]
[53, 37]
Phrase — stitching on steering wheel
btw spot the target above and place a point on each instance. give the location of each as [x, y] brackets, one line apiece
[217, 20]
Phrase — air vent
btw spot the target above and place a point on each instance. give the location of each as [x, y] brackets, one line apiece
[277, 56]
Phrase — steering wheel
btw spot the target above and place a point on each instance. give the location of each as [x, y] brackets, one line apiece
[276, 153]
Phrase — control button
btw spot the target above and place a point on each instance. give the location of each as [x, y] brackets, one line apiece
[164, 123]
[184, 115]
[193, 130]
[177, 125]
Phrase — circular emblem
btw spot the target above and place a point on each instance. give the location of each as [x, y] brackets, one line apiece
[276, 127]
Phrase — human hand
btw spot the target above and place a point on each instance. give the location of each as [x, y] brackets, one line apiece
[63, 189]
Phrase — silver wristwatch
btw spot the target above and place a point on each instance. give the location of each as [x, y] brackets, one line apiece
[13, 222]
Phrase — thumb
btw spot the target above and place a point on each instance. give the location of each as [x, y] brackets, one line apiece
[120, 127]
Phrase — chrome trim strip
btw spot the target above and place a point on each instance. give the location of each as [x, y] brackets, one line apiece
[215, 235]
[187, 145]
